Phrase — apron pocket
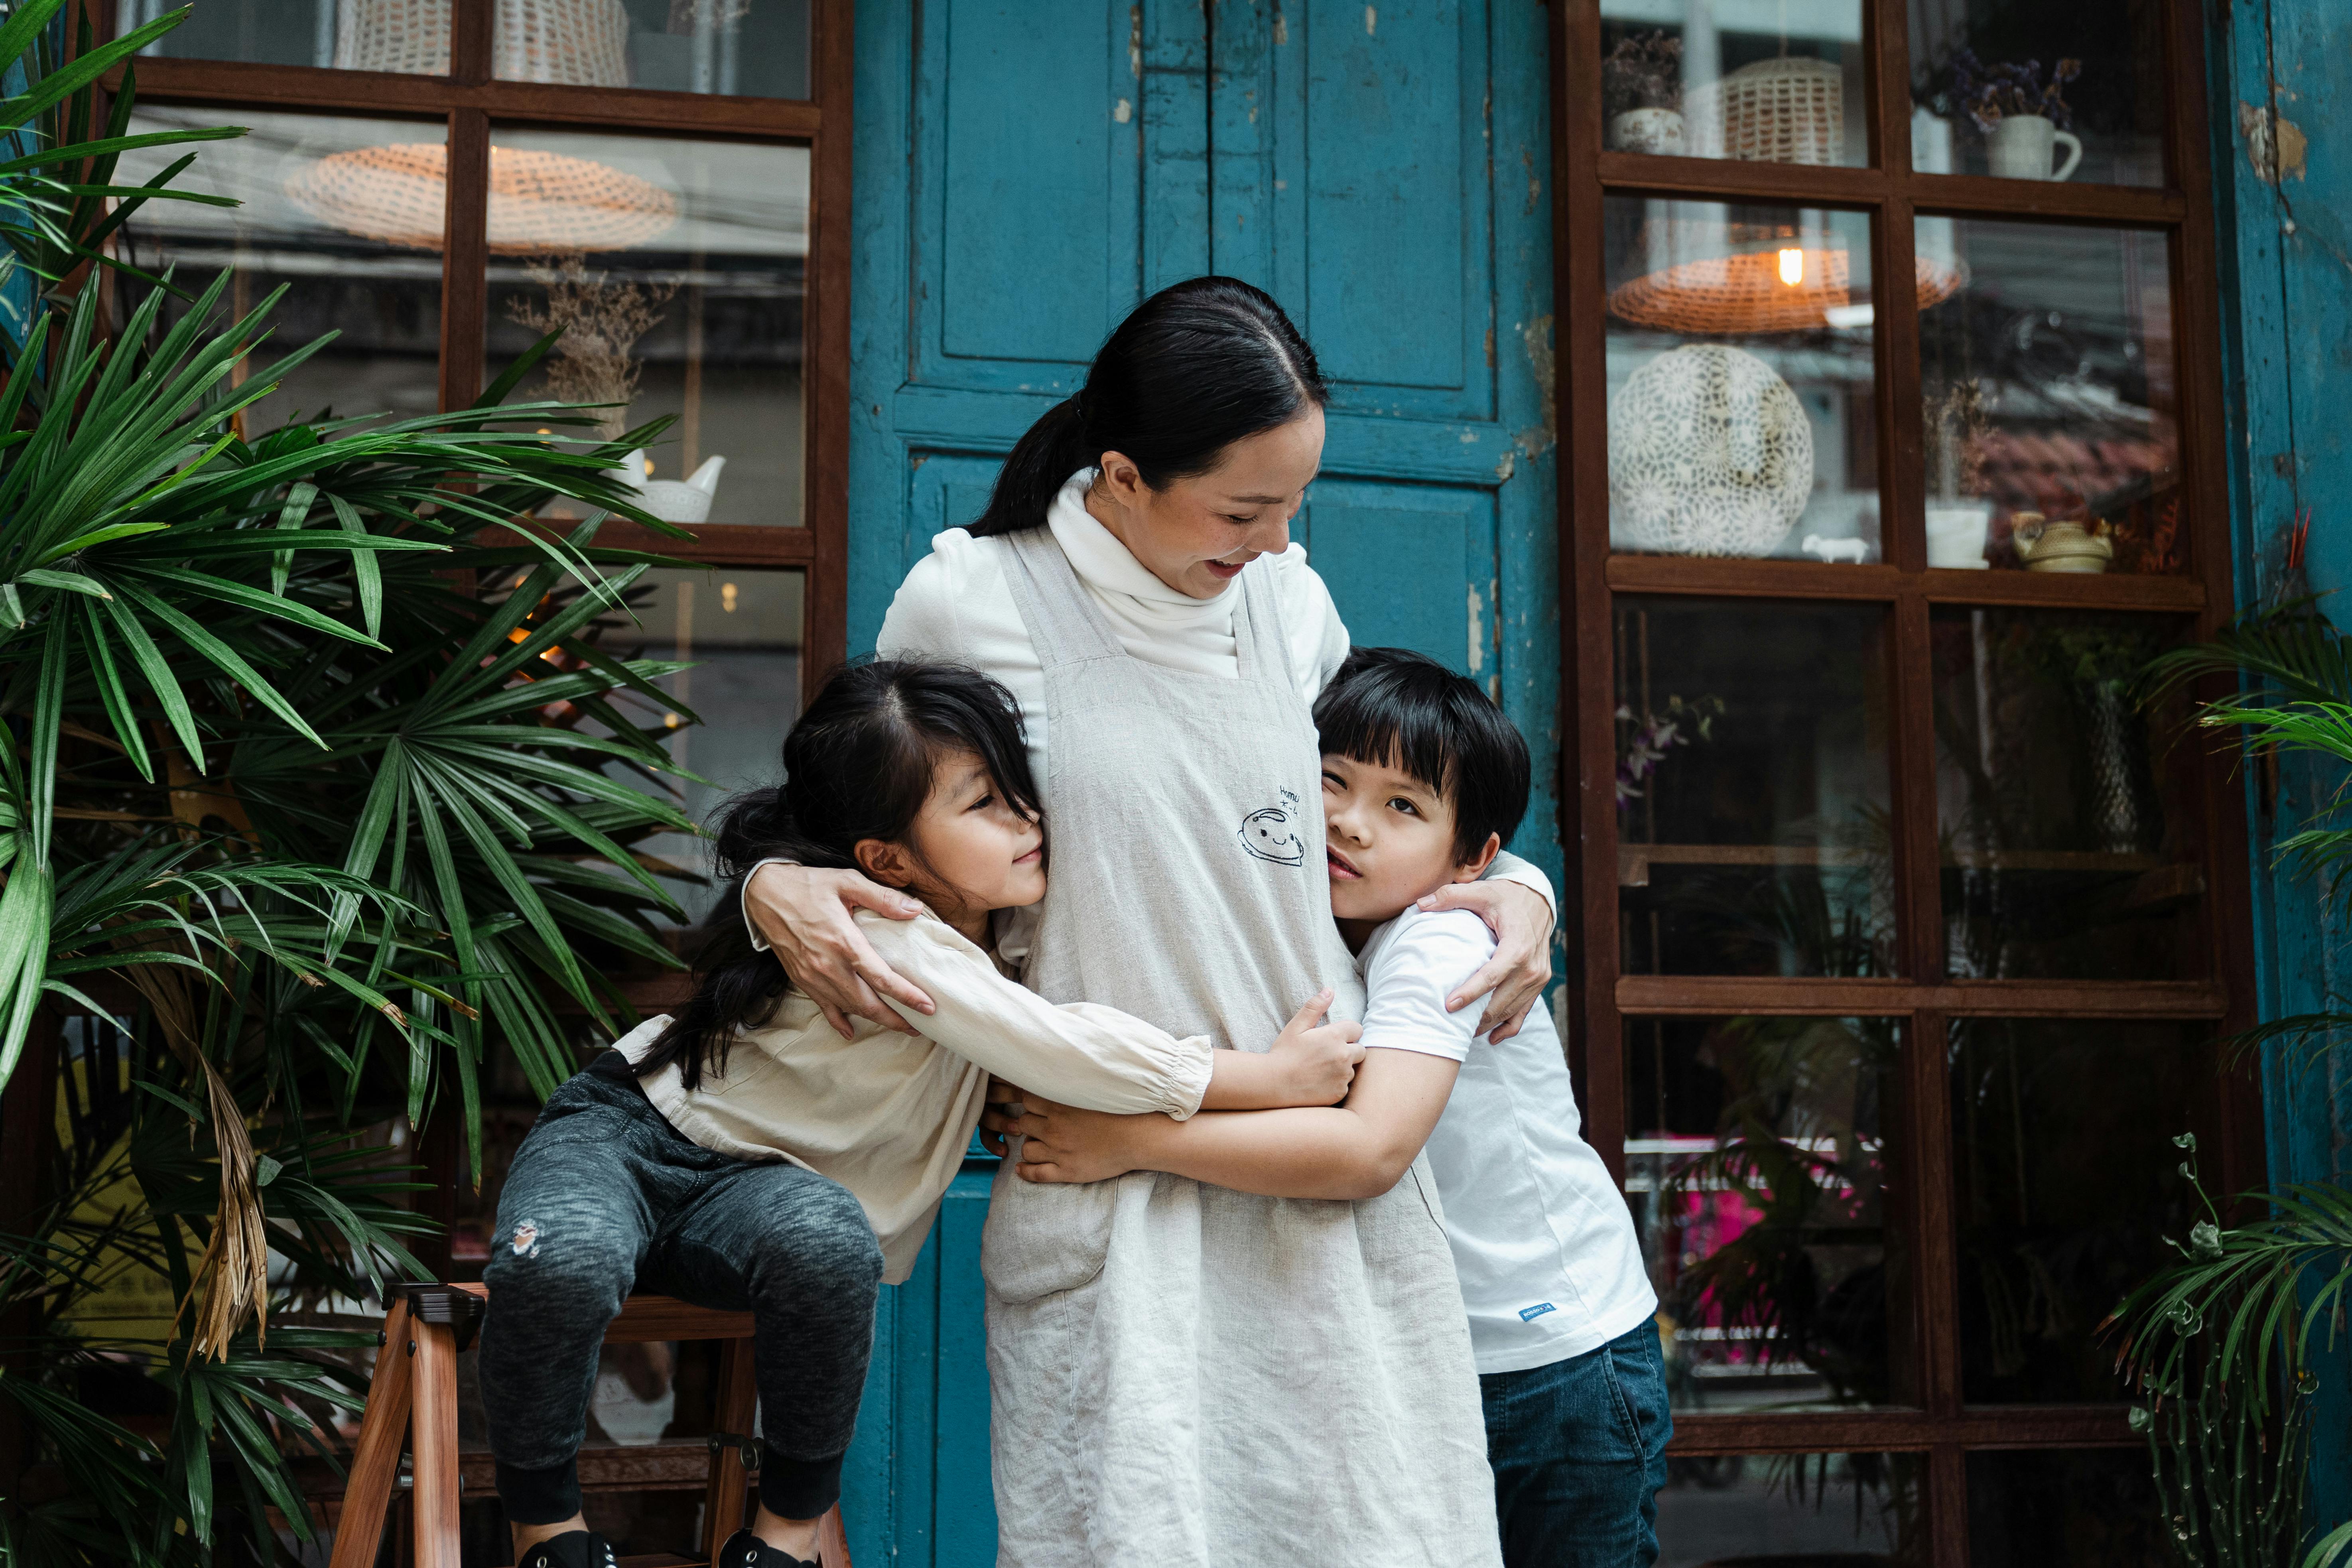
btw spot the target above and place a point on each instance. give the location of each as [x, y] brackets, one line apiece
[1037, 1239]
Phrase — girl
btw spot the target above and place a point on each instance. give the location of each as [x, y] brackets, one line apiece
[742, 1155]
[1182, 1376]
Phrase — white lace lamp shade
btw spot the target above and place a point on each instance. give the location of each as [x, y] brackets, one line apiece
[1710, 453]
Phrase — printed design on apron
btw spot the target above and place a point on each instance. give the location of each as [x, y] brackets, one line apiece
[1271, 832]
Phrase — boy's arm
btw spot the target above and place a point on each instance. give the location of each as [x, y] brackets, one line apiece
[1359, 1150]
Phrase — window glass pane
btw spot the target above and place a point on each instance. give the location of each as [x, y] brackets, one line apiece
[675, 268]
[756, 48]
[368, 270]
[2086, 1508]
[1739, 381]
[1792, 1510]
[2064, 814]
[1752, 788]
[742, 632]
[1983, 71]
[2050, 411]
[1756, 1172]
[2065, 1182]
[1773, 81]
[406, 36]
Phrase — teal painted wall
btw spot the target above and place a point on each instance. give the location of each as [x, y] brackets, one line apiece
[1025, 172]
[2286, 319]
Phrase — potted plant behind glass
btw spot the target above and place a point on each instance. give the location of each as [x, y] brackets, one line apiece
[2021, 117]
[1641, 79]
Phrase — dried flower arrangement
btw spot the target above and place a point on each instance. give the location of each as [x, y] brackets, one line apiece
[1644, 71]
[1957, 427]
[1989, 94]
[1651, 738]
[601, 321]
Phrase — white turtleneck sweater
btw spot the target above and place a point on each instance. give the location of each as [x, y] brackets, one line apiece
[955, 604]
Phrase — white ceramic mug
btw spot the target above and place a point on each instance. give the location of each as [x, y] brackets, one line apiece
[2020, 145]
[1955, 535]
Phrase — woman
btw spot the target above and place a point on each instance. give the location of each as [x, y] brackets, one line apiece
[1183, 1374]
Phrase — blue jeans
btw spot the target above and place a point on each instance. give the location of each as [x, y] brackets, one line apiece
[1580, 1452]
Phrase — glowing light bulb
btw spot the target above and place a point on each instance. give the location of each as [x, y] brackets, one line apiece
[1793, 266]
[727, 597]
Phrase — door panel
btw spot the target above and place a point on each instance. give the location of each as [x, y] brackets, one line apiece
[1026, 172]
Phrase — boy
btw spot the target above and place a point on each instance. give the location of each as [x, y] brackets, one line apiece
[1422, 781]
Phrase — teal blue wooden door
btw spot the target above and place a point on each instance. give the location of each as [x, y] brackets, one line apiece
[1026, 172]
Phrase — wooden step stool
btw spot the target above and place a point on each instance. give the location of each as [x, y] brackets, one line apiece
[413, 1395]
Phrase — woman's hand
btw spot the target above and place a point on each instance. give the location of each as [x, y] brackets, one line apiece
[1315, 1060]
[804, 912]
[1521, 966]
[1061, 1145]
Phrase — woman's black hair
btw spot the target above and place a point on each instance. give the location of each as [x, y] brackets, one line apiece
[1195, 368]
[858, 764]
[1393, 708]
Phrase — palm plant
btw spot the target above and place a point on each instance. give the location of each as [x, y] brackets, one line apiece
[316, 789]
[2222, 1341]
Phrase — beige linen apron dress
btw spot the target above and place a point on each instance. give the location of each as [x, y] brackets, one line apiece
[1184, 1376]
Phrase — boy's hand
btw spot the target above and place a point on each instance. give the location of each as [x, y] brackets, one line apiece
[1317, 1059]
[1060, 1143]
[1003, 1103]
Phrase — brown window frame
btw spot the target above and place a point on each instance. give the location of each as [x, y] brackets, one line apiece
[470, 102]
[1940, 1426]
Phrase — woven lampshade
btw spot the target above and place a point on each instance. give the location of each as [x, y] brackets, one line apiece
[578, 43]
[1710, 279]
[539, 201]
[1790, 110]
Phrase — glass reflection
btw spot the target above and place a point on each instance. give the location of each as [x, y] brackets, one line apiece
[1757, 1178]
[1752, 788]
[2087, 1508]
[1768, 81]
[2068, 852]
[740, 632]
[754, 48]
[1740, 374]
[410, 37]
[2050, 408]
[674, 270]
[2065, 1182]
[1792, 1510]
[2032, 92]
[382, 297]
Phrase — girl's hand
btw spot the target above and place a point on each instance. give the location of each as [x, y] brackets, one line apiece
[1521, 966]
[1317, 1060]
[804, 912]
[1060, 1143]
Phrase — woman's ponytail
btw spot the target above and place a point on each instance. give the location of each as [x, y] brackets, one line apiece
[1195, 368]
[1041, 463]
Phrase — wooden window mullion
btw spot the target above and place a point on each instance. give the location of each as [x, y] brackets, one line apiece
[465, 258]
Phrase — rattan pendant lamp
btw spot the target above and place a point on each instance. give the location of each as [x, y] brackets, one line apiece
[540, 202]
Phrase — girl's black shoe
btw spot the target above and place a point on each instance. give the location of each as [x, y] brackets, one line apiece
[572, 1549]
[745, 1549]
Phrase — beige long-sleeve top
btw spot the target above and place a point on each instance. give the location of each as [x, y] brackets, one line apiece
[889, 1115]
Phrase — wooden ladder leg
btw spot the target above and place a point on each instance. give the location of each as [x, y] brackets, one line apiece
[434, 1445]
[739, 1395]
[375, 1461]
[832, 1544]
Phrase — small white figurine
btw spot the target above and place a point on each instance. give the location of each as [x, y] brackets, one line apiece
[672, 500]
[1828, 550]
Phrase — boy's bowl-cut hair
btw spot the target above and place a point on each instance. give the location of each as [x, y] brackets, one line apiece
[1391, 707]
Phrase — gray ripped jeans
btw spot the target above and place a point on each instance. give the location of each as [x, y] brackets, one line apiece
[605, 1197]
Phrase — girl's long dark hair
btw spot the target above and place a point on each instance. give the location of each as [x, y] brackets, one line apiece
[1195, 368]
[858, 765]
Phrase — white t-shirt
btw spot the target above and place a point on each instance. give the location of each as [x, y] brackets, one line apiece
[1549, 1264]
